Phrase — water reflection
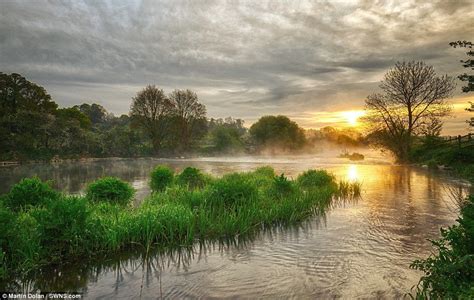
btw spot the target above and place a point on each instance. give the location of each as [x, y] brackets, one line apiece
[360, 249]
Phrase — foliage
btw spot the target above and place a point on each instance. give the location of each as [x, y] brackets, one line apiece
[161, 177]
[468, 63]
[277, 132]
[188, 118]
[110, 189]
[412, 103]
[226, 136]
[71, 227]
[29, 192]
[232, 190]
[449, 272]
[150, 111]
[314, 178]
[192, 178]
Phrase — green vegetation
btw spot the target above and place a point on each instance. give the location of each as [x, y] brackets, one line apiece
[161, 177]
[69, 228]
[449, 273]
[191, 178]
[277, 132]
[110, 189]
[29, 192]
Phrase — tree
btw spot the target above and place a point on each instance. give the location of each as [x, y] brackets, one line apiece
[189, 117]
[96, 112]
[468, 63]
[150, 110]
[277, 132]
[26, 117]
[471, 109]
[412, 101]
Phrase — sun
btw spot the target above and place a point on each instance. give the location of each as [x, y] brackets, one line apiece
[352, 116]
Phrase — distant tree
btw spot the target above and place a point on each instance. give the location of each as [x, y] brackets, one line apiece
[96, 112]
[150, 110]
[471, 109]
[277, 132]
[26, 117]
[189, 118]
[468, 63]
[413, 98]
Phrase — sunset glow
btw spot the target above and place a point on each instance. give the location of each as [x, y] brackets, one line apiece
[352, 116]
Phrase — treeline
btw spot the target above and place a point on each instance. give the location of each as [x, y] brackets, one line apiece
[34, 127]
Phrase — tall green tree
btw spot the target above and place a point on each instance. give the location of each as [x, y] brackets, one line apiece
[277, 132]
[151, 111]
[26, 117]
[412, 101]
[189, 117]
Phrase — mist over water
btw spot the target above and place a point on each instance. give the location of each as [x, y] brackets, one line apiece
[358, 248]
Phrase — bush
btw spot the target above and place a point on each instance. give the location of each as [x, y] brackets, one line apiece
[281, 187]
[29, 192]
[161, 177]
[265, 171]
[110, 189]
[192, 178]
[314, 178]
[232, 190]
[449, 273]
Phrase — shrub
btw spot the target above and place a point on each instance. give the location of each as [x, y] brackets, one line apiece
[314, 178]
[281, 186]
[110, 189]
[265, 171]
[192, 178]
[232, 190]
[449, 272]
[161, 177]
[29, 192]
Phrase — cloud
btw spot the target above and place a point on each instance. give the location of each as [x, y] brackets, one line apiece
[244, 58]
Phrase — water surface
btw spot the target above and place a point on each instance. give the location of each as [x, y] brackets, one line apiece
[358, 249]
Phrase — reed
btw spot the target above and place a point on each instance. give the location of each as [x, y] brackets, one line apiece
[193, 207]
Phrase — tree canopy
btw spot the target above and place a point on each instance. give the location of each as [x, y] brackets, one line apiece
[277, 132]
[412, 102]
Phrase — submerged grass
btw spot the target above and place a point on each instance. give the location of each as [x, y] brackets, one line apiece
[182, 210]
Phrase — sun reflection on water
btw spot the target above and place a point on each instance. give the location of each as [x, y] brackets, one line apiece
[352, 173]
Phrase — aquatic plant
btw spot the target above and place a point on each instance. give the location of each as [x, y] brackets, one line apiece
[161, 177]
[314, 178]
[192, 178]
[29, 192]
[110, 189]
[74, 227]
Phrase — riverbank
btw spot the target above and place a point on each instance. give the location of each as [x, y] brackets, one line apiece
[47, 228]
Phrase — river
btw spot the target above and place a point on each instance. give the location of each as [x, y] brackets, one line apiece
[359, 248]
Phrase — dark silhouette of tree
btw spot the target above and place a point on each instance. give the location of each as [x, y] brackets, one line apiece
[471, 109]
[412, 102]
[277, 132]
[468, 63]
[96, 112]
[150, 110]
[189, 118]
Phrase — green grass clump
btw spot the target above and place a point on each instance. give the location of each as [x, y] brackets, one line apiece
[110, 189]
[192, 178]
[314, 178]
[232, 190]
[161, 177]
[29, 192]
[449, 272]
[74, 227]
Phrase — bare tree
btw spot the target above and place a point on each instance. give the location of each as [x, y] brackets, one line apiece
[190, 117]
[413, 100]
[150, 110]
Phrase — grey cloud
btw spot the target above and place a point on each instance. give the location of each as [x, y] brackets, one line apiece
[244, 58]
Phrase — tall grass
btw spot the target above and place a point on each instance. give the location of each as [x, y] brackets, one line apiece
[196, 207]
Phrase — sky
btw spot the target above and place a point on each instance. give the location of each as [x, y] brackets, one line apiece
[310, 60]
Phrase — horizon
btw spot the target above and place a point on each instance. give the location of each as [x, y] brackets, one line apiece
[314, 63]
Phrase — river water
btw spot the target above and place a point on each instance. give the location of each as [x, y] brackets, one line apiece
[359, 248]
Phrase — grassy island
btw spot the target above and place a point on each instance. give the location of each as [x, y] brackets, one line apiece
[42, 227]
